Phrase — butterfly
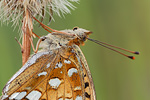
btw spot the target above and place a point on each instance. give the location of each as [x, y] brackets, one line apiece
[57, 71]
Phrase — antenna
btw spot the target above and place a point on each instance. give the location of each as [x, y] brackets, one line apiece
[109, 46]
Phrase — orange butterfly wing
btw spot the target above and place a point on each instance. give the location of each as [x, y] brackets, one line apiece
[59, 75]
[28, 77]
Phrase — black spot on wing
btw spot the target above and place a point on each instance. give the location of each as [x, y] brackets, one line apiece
[86, 84]
[87, 95]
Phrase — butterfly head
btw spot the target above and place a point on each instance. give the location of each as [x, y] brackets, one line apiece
[81, 35]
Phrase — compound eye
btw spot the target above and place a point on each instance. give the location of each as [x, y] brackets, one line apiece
[75, 28]
[84, 38]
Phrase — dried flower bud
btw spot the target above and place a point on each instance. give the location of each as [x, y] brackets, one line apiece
[14, 10]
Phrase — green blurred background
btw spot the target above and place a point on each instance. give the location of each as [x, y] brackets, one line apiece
[124, 23]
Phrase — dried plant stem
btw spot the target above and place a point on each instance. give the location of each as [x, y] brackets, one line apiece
[27, 35]
[25, 46]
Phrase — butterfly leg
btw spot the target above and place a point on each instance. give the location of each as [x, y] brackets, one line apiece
[31, 41]
[48, 28]
[35, 35]
[22, 49]
[44, 26]
[38, 43]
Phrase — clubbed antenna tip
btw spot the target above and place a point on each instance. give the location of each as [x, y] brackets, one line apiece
[131, 57]
[137, 53]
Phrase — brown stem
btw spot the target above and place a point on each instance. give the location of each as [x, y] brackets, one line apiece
[27, 28]
[25, 46]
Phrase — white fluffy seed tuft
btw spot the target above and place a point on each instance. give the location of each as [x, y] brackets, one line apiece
[13, 10]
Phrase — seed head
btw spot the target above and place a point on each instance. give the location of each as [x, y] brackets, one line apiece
[14, 10]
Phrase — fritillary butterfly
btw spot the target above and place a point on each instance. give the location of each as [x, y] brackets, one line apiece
[58, 71]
